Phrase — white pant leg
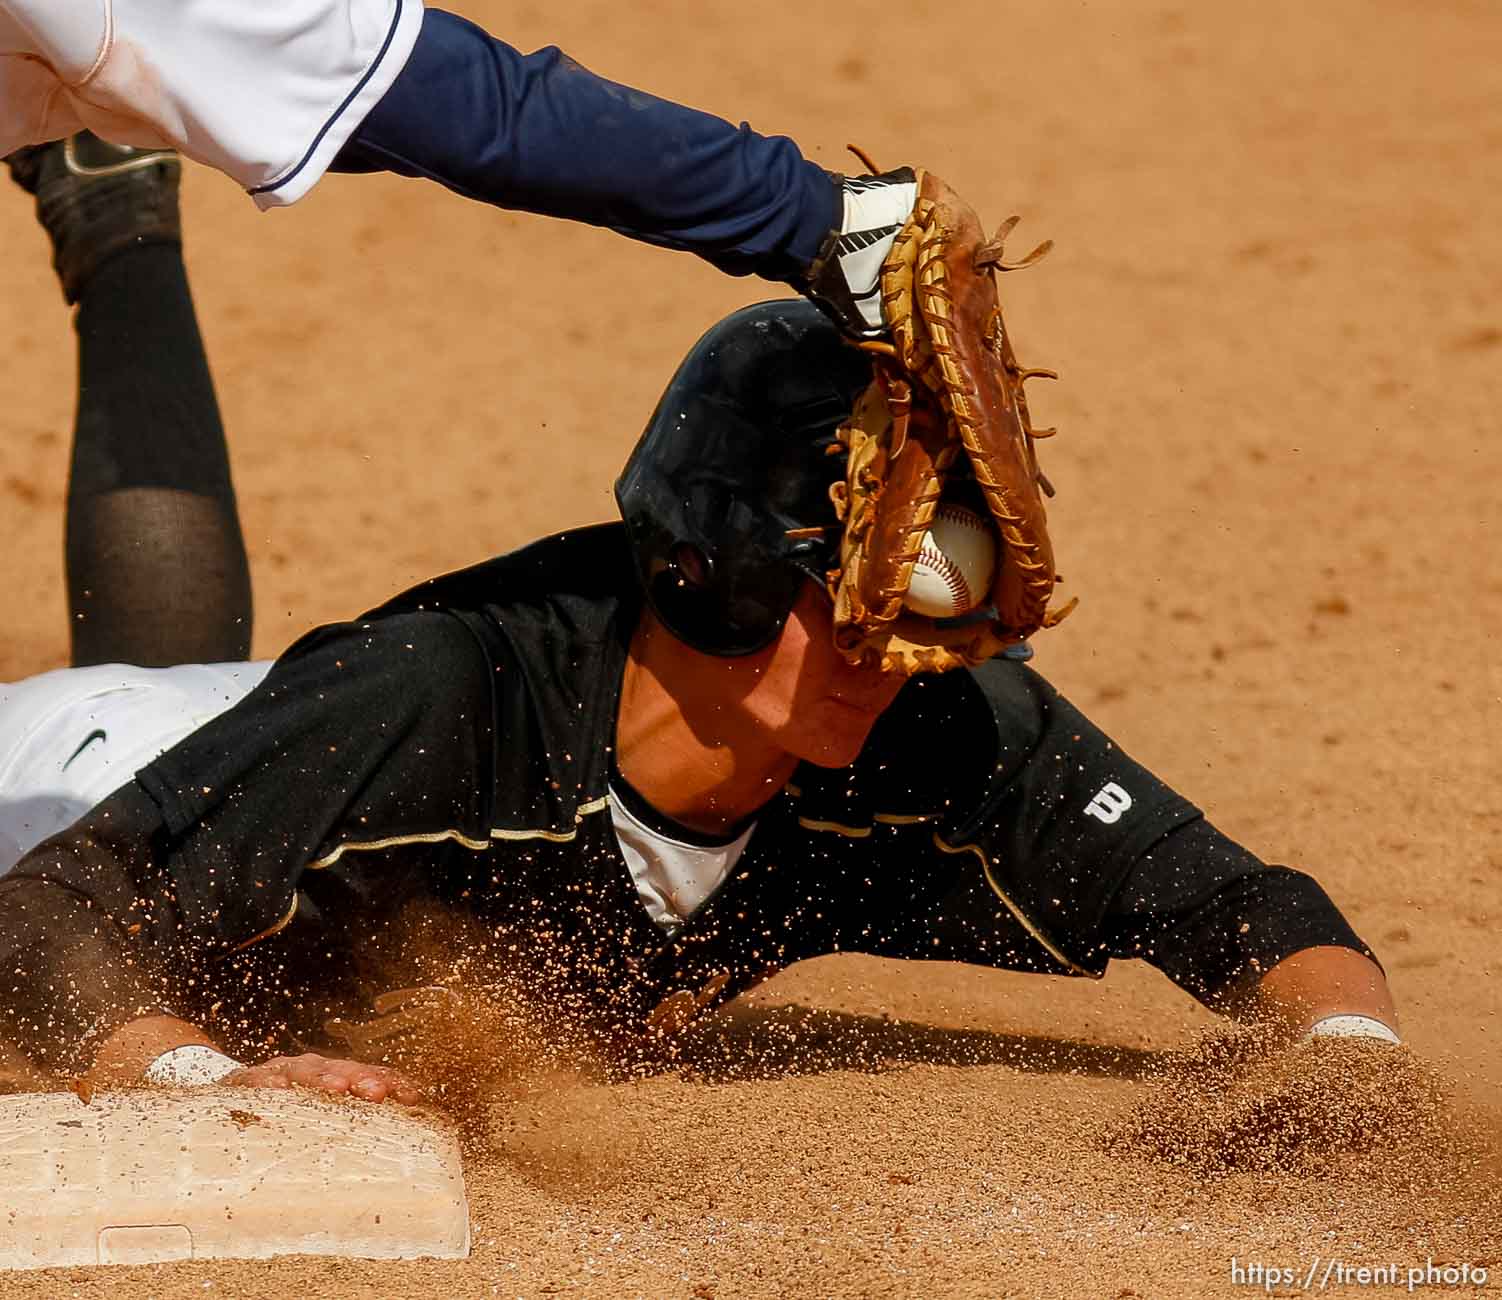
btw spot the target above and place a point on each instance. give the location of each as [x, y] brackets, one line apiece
[72, 737]
[266, 91]
[32, 107]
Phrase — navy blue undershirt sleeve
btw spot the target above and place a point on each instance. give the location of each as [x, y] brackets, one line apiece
[539, 133]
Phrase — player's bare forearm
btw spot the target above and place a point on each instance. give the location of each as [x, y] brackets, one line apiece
[90, 930]
[125, 1053]
[65, 973]
[1316, 983]
[128, 1053]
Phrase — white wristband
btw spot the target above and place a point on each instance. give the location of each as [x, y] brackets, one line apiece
[1352, 1027]
[191, 1066]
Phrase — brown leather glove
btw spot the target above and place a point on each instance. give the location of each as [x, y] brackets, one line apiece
[945, 419]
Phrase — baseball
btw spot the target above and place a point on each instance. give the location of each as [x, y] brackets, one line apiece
[956, 566]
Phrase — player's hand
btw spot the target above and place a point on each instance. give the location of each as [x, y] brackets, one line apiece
[329, 1074]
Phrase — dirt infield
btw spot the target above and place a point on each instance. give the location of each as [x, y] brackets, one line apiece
[1274, 302]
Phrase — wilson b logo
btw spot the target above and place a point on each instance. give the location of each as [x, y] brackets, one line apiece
[1109, 804]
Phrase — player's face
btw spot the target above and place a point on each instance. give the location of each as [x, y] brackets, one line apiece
[802, 693]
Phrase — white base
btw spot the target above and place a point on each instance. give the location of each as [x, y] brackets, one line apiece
[219, 1172]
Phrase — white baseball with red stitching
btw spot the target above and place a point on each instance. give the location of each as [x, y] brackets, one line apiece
[956, 565]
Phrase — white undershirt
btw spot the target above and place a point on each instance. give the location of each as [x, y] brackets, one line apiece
[673, 878]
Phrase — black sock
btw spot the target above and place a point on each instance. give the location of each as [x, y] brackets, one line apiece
[157, 572]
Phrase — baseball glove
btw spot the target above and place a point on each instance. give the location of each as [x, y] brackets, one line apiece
[945, 417]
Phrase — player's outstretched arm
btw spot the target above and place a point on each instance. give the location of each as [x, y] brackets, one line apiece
[130, 912]
[539, 133]
[70, 917]
[167, 1050]
[1261, 943]
[1267, 946]
[368, 85]
[89, 927]
[1327, 992]
[82, 1005]
[92, 928]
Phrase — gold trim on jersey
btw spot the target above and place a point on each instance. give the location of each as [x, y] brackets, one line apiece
[266, 934]
[1043, 939]
[851, 832]
[917, 819]
[855, 832]
[430, 837]
[394, 841]
[459, 837]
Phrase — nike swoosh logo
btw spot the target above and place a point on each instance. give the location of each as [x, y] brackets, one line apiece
[88, 740]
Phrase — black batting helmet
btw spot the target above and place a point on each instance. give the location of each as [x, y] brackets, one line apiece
[726, 497]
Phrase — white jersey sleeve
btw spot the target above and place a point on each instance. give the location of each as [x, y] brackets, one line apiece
[266, 91]
[70, 738]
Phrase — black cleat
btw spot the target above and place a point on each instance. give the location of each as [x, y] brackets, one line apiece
[95, 199]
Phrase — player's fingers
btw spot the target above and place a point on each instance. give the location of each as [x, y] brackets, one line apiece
[306, 1071]
[379, 1083]
[330, 1074]
[309, 1071]
[257, 1076]
[405, 1091]
[371, 1087]
[369, 1082]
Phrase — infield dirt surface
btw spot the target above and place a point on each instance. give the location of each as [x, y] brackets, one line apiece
[1276, 304]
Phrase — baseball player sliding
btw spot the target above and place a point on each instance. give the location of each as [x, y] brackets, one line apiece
[640, 758]
[276, 95]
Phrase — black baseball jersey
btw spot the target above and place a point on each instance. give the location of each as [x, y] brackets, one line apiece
[455, 746]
